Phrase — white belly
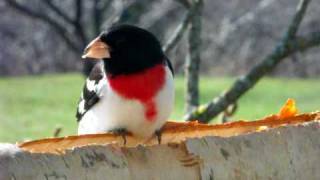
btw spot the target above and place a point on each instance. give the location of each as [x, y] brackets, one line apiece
[113, 112]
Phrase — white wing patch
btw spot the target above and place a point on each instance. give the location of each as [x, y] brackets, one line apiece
[90, 85]
[81, 107]
[92, 90]
[97, 88]
[100, 87]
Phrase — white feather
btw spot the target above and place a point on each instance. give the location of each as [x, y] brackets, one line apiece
[81, 107]
[90, 85]
[114, 111]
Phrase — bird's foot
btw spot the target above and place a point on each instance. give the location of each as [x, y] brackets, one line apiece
[121, 132]
[158, 133]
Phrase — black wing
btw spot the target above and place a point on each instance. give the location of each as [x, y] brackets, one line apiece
[90, 94]
[169, 65]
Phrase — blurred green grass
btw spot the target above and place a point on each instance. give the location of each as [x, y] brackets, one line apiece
[34, 106]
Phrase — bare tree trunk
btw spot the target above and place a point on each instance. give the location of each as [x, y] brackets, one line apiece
[285, 152]
[194, 57]
[288, 46]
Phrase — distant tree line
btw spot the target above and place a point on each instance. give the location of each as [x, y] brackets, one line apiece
[232, 34]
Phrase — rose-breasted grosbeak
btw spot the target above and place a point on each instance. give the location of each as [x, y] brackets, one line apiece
[131, 90]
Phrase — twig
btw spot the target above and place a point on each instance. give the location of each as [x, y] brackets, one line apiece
[182, 27]
[229, 112]
[230, 26]
[58, 11]
[57, 132]
[77, 21]
[178, 34]
[185, 3]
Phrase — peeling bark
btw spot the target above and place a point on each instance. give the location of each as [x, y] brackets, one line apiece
[285, 152]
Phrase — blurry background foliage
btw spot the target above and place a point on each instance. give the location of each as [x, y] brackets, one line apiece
[236, 34]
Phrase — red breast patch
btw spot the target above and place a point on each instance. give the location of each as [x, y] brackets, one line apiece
[142, 86]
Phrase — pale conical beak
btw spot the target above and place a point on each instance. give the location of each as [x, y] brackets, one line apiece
[96, 49]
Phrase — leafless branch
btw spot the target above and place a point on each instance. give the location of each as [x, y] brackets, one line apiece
[182, 27]
[230, 26]
[296, 21]
[285, 48]
[60, 29]
[185, 3]
[250, 15]
[133, 12]
[58, 11]
[77, 21]
[78, 4]
[178, 34]
[106, 5]
[97, 16]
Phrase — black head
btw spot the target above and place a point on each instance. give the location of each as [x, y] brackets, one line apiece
[129, 49]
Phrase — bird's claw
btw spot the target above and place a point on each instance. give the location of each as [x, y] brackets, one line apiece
[158, 133]
[121, 132]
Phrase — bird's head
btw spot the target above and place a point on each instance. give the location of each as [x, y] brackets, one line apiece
[125, 49]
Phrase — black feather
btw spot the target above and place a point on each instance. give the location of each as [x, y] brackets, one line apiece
[90, 98]
[169, 65]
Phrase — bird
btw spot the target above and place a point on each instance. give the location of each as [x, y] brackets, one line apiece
[131, 88]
